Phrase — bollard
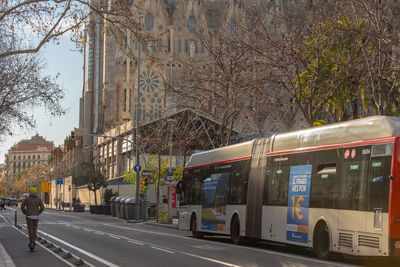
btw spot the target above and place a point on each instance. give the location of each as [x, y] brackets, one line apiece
[15, 221]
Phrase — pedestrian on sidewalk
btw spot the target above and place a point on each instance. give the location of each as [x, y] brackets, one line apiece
[2, 202]
[32, 206]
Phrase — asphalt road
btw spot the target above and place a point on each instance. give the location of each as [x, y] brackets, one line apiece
[99, 240]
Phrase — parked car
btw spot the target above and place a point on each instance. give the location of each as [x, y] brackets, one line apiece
[12, 201]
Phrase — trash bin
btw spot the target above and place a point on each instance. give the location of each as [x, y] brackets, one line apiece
[118, 207]
[151, 211]
[112, 203]
[142, 207]
[122, 208]
[130, 208]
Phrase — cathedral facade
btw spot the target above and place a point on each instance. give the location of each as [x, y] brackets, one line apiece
[167, 35]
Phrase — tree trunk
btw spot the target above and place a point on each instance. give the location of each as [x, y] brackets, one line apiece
[95, 198]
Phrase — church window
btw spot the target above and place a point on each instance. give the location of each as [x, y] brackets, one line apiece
[186, 46]
[149, 22]
[159, 45]
[191, 24]
[179, 46]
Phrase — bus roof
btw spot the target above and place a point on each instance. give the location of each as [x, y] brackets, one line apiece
[222, 154]
[369, 128]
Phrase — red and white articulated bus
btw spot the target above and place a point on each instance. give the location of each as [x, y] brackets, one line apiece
[334, 188]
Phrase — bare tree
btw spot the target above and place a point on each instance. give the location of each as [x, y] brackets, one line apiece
[276, 33]
[220, 83]
[22, 88]
[380, 59]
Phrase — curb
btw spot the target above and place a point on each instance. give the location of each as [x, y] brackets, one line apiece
[5, 259]
[174, 226]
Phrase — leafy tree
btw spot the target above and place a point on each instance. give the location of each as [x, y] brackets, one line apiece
[331, 79]
[32, 176]
[108, 194]
[96, 178]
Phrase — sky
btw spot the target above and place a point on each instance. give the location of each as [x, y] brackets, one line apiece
[68, 61]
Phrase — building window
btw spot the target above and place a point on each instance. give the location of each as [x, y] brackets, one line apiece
[29, 156]
[148, 22]
[179, 46]
[186, 46]
[15, 157]
[38, 156]
[191, 25]
[33, 157]
[19, 157]
[125, 98]
[160, 45]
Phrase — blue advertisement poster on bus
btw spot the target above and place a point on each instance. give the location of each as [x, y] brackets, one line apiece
[298, 203]
[214, 208]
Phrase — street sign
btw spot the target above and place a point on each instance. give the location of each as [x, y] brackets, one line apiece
[137, 168]
[170, 178]
[45, 187]
[146, 173]
[169, 173]
[60, 181]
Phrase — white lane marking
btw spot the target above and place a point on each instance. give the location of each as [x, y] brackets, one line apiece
[161, 249]
[135, 242]
[46, 211]
[99, 233]
[27, 236]
[265, 251]
[145, 231]
[170, 250]
[79, 250]
[69, 264]
[209, 259]
[114, 236]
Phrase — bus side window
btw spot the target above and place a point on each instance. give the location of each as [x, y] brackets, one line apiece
[277, 184]
[238, 188]
[379, 183]
[324, 187]
[195, 191]
[354, 181]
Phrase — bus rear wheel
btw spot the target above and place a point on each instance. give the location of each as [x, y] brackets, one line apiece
[235, 231]
[193, 227]
[322, 241]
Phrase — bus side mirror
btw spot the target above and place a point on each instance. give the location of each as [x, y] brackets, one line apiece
[391, 177]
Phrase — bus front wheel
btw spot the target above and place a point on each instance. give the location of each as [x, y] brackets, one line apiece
[235, 231]
[322, 241]
[193, 227]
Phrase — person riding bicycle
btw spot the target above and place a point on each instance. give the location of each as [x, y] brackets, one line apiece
[32, 206]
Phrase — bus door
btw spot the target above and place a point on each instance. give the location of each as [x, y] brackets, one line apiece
[215, 193]
[353, 195]
[378, 185]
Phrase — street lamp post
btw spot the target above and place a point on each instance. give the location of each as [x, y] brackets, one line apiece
[172, 122]
[137, 136]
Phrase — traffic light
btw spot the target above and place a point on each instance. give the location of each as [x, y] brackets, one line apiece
[146, 183]
[142, 186]
[72, 136]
